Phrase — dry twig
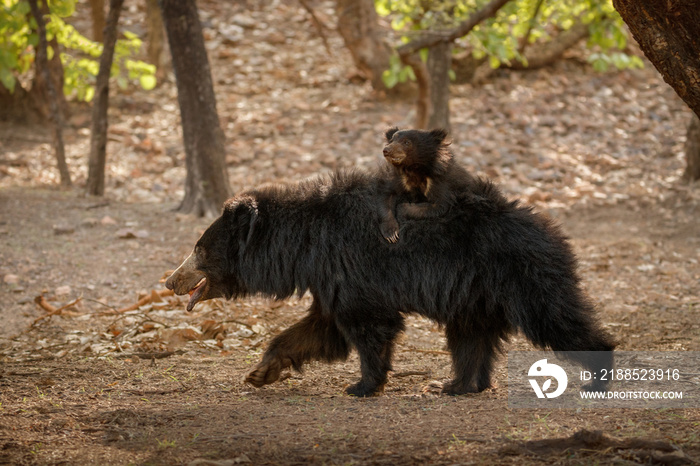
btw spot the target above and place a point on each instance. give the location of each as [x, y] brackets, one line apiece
[52, 311]
[154, 297]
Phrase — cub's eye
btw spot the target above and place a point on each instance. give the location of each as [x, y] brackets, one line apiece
[406, 143]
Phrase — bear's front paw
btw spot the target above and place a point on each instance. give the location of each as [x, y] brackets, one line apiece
[266, 372]
[361, 390]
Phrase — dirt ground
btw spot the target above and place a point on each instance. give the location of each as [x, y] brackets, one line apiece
[94, 384]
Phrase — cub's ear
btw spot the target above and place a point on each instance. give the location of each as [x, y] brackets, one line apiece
[438, 135]
[242, 215]
[390, 133]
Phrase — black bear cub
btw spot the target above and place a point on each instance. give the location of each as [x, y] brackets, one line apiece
[424, 179]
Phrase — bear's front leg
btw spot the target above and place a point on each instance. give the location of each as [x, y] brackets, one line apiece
[312, 338]
[374, 373]
[374, 344]
[268, 370]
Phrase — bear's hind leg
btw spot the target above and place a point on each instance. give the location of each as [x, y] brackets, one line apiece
[315, 337]
[473, 353]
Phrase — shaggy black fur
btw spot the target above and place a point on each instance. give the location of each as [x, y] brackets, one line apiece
[484, 269]
[425, 178]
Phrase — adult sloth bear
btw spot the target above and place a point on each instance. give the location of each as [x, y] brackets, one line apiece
[484, 269]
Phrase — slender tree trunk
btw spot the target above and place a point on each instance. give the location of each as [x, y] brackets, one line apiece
[155, 39]
[424, 102]
[206, 186]
[42, 66]
[692, 150]
[97, 12]
[439, 63]
[668, 32]
[39, 91]
[98, 140]
[358, 25]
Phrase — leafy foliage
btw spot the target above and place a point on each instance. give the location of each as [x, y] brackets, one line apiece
[79, 55]
[499, 39]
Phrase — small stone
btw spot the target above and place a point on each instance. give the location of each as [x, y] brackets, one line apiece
[63, 229]
[107, 220]
[11, 279]
[63, 290]
[130, 233]
[89, 222]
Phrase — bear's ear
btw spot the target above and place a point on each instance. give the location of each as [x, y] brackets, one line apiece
[438, 135]
[390, 133]
[242, 214]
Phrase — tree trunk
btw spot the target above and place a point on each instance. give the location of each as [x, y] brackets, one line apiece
[692, 150]
[42, 67]
[97, 12]
[39, 91]
[668, 32]
[439, 63]
[423, 102]
[155, 39]
[206, 186]
[358, 25]
[98, 140]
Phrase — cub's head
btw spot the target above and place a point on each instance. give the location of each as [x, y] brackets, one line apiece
[416, 148]
[211, 270]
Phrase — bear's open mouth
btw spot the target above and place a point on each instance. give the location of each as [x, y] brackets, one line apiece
[197, 293]
[394, 159]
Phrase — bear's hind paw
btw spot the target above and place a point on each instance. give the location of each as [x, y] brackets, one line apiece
[453, 388]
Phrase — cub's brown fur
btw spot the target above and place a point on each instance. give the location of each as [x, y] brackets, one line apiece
[425, 179]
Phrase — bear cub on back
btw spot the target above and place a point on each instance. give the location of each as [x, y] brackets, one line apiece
[423, 181]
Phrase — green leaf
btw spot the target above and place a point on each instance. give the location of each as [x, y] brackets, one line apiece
[89, 94]
[390, 79]
[8, 79]
[424, 54]
[148, 81]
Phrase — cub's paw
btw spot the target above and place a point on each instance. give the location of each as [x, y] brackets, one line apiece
[265, 372]
[390, 231]
[393, 239]
[361, 390]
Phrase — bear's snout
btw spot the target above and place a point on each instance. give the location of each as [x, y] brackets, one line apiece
[186, 277]
[170, 282]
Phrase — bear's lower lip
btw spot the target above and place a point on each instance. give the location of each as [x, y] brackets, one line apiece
[196, 294]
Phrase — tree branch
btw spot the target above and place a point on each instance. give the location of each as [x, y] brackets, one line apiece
[462, 30]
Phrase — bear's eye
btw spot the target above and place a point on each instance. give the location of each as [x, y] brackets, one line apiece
[406, 142]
